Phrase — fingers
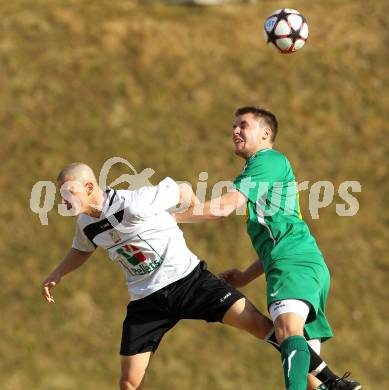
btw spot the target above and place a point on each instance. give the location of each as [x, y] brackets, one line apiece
[226, 275]
[233, 277]
[47, 296]
[46, 292]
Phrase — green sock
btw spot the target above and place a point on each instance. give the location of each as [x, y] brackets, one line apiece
[295, 361]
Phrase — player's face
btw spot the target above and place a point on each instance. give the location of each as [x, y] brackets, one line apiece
[246, 135]
[74, 195]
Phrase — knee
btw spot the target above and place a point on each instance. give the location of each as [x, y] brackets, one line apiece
[130, 383]
[285, 328]
[133, 370]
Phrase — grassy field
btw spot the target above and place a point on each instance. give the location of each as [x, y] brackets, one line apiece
[157, 85]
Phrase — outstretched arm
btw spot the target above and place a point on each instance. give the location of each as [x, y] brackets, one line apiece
[239, 278]
[73, 259]
[213, 209]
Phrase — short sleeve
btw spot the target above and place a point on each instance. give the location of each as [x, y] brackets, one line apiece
[151, 200]
[81, 242]
[259, 174]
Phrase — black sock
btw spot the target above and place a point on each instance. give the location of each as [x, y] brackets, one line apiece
[317, 366]
[326, 376]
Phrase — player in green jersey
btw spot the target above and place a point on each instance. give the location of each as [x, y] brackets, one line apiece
[297, 277]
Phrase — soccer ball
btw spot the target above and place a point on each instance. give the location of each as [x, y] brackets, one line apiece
[286, 30]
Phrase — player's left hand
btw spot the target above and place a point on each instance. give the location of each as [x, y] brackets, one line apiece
[234, 277]
[50, 282]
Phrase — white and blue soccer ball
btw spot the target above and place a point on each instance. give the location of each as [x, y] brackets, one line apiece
[286, 30]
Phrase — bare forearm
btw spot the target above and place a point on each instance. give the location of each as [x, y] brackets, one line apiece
[253, 271]
[73, 260]
[197, 213]
[214, 209]
[238, 278]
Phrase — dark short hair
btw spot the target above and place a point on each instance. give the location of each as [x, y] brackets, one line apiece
[268, 117]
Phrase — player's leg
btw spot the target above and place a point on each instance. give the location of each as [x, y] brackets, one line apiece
[289, 318]
[244, 315]
[319, 371]
[207, 297]
[144, 326]
[293, 294]
[212, 299]
[133, 370]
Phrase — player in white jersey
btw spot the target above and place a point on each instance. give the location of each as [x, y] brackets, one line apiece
[167, 282]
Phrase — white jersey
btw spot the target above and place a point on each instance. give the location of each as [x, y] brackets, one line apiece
[140, 235]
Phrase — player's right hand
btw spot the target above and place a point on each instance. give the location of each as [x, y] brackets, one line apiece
[50, 282]
[234, 277]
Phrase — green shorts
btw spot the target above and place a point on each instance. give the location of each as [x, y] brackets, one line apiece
[308, 281]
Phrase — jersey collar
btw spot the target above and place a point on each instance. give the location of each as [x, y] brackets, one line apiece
[257, 153]
[111, 195]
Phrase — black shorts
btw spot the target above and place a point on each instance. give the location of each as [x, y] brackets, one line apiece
[200, 296]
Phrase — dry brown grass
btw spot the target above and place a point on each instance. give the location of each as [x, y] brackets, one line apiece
[85, 80]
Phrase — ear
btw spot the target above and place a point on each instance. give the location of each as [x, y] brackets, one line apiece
[267, 133]
[89, 187]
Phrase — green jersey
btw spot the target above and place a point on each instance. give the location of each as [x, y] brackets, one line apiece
[293, 263]
[274, 221]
